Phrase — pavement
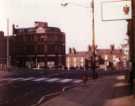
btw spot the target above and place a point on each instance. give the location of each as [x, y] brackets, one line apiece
[103, 91]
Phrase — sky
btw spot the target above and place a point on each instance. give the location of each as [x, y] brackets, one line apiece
[75, 20]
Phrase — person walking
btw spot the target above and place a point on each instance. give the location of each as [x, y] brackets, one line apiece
[85, 79]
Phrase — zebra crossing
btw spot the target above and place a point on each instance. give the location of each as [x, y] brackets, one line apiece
[44, 79]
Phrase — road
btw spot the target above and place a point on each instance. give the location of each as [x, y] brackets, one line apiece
[26, 88]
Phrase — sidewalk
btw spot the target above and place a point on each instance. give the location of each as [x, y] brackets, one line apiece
[106, 91]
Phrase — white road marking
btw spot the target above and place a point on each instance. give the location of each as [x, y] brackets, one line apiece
[122, 77]
[17, 79]
[30, 78]
[41, 79]
[21, 79]
[77, 81]
[13, 79]
[59, 80]
[65, 80]
[120, 84]
[53, 80]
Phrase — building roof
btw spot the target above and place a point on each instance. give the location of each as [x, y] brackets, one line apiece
[108, 51]
[99, 51]
[43, 25]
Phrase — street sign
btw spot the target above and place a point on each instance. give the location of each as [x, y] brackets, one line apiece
[116, 10]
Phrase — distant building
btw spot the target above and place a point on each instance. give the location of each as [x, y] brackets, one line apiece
[38, 46]
[3, 51]
[76, 59]
[82, 59]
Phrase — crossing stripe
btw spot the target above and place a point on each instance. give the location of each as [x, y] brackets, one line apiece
[20, 78]
[53, 80]
[30, 78]
[13, 79]
[65, 80]
[58, 80]
[41, 79]
[77, 81]
[17, 79]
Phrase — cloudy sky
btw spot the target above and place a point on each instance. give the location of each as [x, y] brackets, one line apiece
[75, 20]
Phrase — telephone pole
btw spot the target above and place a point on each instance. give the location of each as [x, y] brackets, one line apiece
[131, 32]
[8, 60]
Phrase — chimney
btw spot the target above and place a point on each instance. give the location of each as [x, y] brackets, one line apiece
[13, 29]
[74, 51]
[112, 47]
[70, 50]
[89, 48]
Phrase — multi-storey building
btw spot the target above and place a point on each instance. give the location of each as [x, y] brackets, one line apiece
[38, 46]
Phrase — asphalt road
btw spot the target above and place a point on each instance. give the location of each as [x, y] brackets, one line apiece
[26, 88]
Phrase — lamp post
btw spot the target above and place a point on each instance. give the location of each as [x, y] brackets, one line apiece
[93, 35]
[93, 41]
[8, 63]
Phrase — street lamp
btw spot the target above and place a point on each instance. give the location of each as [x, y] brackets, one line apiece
[93, 35]
[93, 41]
[8, 60]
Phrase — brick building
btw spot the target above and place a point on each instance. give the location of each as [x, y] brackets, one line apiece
[3, 51]
[38, 46]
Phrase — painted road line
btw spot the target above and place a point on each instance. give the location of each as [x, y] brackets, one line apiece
[77, 81]
[17, 79]
[65, 80]
[40, 79]
[53, 80]
[121, 77]
[30, 78]
[21, 79]
[13, 79]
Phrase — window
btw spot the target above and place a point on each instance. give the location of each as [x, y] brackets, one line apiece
[51, 48]
[30, 49]
[40, 49]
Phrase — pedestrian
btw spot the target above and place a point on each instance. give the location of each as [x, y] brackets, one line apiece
[85, 79]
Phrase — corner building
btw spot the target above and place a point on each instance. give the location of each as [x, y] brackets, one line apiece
[38, 47]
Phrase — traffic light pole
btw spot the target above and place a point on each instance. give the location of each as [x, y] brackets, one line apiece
[93, 42]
